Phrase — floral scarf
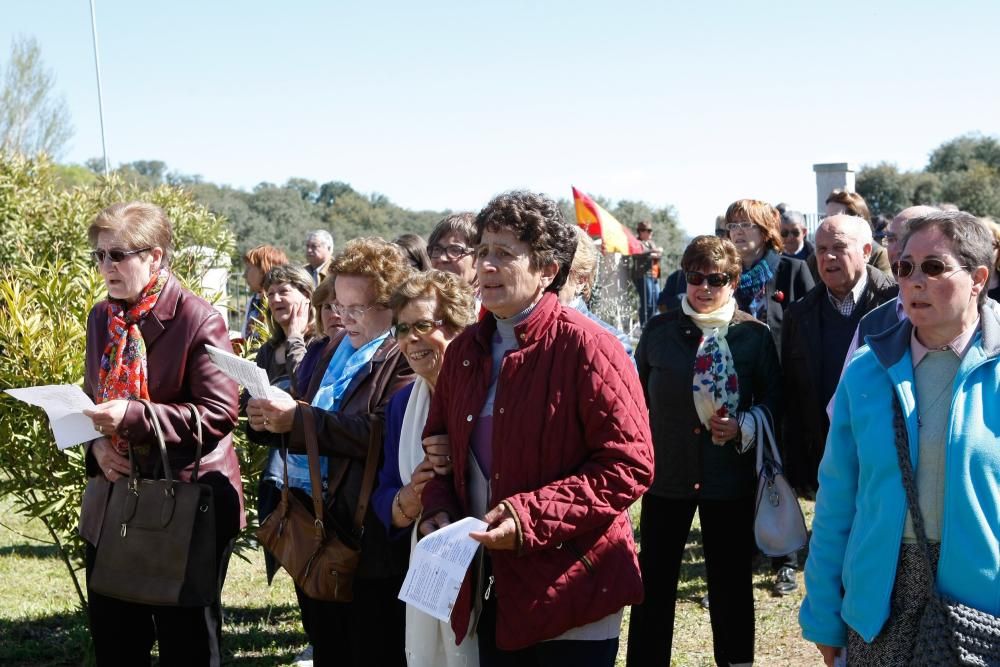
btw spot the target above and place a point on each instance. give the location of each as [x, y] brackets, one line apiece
[750, 294]
[716, 388]
[123, 373]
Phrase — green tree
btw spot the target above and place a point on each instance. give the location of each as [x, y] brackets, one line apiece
[47, 288]
[32, 118]
[885, 189]
[961, 153]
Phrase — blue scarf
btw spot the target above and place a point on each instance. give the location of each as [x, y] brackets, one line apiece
[344, 365]
[750, 294]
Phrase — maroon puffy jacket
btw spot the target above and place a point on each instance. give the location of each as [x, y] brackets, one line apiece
[571, 452]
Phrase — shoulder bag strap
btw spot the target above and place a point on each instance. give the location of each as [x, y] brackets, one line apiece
[158, 431]
[315, 480]
[909, 484]
[197, 440]
[371, 467]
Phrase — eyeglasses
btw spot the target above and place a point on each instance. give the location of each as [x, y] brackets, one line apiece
[740, 226]
[421, 327]
[353, 312]
[793, 232]
[932, 268]
[114, 255]
[452, 252]
[696, 278]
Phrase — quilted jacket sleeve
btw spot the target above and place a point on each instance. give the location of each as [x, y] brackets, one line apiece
[439, 493]
[618, 467]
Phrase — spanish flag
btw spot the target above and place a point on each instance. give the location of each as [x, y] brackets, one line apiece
[598, 223]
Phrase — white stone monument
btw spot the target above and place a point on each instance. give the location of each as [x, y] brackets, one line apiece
[829, 177]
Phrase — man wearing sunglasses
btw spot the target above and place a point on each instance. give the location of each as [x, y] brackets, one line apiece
[817, 332]
[793, 236]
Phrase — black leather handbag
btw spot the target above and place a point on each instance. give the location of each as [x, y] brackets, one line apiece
[157, 542]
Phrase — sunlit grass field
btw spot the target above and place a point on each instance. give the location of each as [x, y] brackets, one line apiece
[41, 625]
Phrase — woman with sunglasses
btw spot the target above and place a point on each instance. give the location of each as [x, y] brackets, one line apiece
[346, 397]
[936, 375]
[430, 310]
[702, 368]
[147, 341]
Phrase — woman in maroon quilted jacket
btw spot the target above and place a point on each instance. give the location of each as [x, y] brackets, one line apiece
[550, 445]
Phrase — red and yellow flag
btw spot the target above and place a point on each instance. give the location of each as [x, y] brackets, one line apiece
[597, 222]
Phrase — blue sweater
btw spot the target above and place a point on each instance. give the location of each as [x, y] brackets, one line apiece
[389, 482]
[861, 505]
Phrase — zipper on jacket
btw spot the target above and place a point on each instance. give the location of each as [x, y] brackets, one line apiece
[489, 588]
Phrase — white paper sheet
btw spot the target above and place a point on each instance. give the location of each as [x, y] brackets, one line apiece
[248, 374]
[438, 566]
[64, 405]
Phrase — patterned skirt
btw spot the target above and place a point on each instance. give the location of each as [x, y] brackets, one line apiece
[894, 644]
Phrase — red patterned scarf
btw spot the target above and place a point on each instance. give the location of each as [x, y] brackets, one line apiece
[123, 366]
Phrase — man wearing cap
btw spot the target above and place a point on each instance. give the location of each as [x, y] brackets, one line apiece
[793, 236]
[646, 272]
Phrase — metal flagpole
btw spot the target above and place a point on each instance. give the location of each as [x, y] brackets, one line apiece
[100, 95]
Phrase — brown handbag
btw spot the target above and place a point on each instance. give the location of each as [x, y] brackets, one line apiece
[320, 559]
[157, 542]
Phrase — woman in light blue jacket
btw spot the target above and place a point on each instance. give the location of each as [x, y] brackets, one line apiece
[867, 580]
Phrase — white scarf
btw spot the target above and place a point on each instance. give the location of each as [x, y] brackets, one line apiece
[715, 385]
[429, 642]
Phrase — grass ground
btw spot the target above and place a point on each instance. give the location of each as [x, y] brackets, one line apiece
[40, 623]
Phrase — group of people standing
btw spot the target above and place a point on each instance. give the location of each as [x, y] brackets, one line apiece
[499, 395]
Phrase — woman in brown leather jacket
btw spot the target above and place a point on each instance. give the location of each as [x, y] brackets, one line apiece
[147, 341]
[345, 398]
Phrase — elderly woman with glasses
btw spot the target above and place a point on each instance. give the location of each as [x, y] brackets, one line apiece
[429, 310]
[550, 446]
[703, 367]
[921, 396]
[366, 368]
[147, 341]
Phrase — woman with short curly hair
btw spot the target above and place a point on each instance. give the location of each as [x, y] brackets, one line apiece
[545, 422]
[346, 396]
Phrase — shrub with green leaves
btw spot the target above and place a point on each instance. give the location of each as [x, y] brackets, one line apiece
[47, 287]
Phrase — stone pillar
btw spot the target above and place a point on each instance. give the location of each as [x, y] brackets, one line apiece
[830, 177]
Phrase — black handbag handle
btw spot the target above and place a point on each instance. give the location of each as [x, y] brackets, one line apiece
[158, 431]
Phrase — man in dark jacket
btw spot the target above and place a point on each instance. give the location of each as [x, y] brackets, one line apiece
[794, 234]
[818, 330]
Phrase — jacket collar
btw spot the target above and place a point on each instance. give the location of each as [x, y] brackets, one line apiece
[153, 325]
[529, 331]
[891, 345]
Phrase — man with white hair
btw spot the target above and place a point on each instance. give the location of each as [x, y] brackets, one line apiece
[816, 333]
[319, 251]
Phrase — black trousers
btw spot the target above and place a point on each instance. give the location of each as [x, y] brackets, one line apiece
[368, 631]
[124, 632]
[727, 536]
[556, 653]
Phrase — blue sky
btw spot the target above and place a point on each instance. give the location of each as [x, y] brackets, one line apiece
[441, 105]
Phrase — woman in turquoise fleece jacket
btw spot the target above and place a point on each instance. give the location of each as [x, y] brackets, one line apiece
[855, 585]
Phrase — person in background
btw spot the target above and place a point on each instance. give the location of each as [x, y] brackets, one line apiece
[702, 442]
[794, 236]
[579, 285]
[346, 400]
[429, 311]
[867, 578]
[769, 283]
[147, 341]
[415, 251]
[319, 250]
[843, 202]
[256, 263]
[545, 419]
[645, 271]
[288, 289]
[450, 246]
[818, 331]
[329, 330]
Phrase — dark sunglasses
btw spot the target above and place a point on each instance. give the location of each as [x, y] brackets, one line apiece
[794, 232]
[452, 252]
[115, 255]
[696, 278]
[932, 268]
[422, 327]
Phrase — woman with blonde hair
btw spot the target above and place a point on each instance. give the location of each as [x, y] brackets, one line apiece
[346, 400]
